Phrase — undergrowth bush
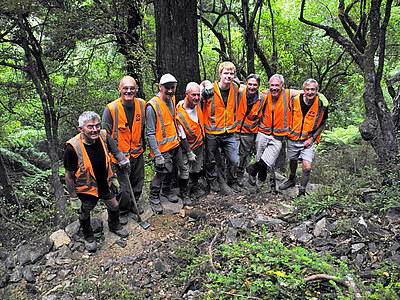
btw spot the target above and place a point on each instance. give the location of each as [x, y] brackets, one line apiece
[266, 269]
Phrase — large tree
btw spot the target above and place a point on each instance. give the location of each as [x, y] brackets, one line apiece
[177, 45]
[365, 24]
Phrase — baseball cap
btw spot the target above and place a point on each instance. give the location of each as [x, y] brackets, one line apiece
[168, 78]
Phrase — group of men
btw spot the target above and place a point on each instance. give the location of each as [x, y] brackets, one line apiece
[215, 123]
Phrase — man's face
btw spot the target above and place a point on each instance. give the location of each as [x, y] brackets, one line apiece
[127, 89]
[226, 76]
[91, 130]
[193, 96]
[167, 90]
[252, 86]
[310, 92]
[275, 86]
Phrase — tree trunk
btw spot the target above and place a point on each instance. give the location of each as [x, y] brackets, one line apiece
[177, 45]
[6, 184]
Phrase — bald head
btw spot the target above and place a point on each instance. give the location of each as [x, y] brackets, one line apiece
[127, 90]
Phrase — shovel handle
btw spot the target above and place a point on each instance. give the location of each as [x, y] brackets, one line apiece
[132, 196]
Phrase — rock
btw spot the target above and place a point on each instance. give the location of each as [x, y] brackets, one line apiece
[392, 215]
[359, 260]
[395, 258]
[9, 263]
[320, 229]
[130, 260]
[242, 209]
[268, 221]
[60, 238]
[357, 247]
[361, 221]
[372, 247]
[299, 230]
[16, 276]
[305, 238]
[320, 242]
[32, 289]
[23, 255]
[196, 214]
[28, 275]
[4, 276]
[40, 248]
[50, 277]
[72, 229]
[36, 270]
[231, 235]
[64, 252]
[159, 266]
[170, 207]
[63, 273]
[50, 297]
[238, 223]
[121, 243]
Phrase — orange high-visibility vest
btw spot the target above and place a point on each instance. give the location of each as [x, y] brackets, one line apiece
[85, 181]
[246, 125]
[194, 130]
[166, 128]
[275, 120]
[129, 141]
[219, 118]
[302, 127]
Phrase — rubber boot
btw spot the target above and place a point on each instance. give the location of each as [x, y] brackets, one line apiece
[272, 181]
[302, 191]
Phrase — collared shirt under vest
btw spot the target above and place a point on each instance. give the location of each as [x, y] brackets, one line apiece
[244, 124]
[303, 127]
[194, 130]
[219, 118]
[275, 119]
[85, 180]
[166, 127]
[129, 141]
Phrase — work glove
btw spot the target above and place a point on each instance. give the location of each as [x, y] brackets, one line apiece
[76, 203]
[208, 90]
[191, 156]
[159, 161]
[115, 186]
[125, 165]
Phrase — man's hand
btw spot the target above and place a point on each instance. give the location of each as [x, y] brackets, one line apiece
[308, 143]
[208, 89]
[115, 186]
[191, 156]
[125, 165]
[76, 203]
[159, 161]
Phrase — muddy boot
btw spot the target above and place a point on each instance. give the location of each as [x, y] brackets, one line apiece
[184, 192]
[302, 191]
[288, 183]
[169, 194]
[272, 181]
[252, 170]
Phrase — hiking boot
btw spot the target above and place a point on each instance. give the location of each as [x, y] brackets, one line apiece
[157, 207]
[252, 180]
[240, 181]
[302, 192]
[123, 219]
[259, 183]
[288, 183]
[91, 244]
[187, 201]
[170, 196]
[197, 191]
[235, 187]
[121, 231]
[214, 186]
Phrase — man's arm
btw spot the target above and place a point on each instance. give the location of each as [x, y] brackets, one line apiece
[70, 182]
[107, 120]
[151, 122]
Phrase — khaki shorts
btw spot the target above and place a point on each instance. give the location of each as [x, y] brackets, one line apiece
[296, 150]
[268, 147]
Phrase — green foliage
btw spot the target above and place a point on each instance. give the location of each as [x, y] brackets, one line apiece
[387, 283]
[22, 137]
[266, 269]
[340, 136]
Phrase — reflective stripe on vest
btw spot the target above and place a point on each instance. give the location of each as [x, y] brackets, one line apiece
[226, 127]
[136, 140]
[193, 139]
[301, 125]
[85, 181]
[264, 128]
[246, 124]
[169, 140]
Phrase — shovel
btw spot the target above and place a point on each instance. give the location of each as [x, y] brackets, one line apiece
[144, 224]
